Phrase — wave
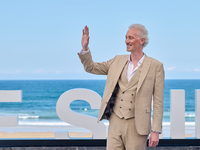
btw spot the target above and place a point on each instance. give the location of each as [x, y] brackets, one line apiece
[187, 115]
[186, 123]
[38, 117]
[44, 124]
[28, 117]
[190, 115]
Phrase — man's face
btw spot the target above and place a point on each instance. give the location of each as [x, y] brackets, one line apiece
[133, 41]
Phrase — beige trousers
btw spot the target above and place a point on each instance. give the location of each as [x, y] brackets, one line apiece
[122, 135]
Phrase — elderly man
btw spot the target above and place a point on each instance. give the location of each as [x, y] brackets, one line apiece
[132, 81]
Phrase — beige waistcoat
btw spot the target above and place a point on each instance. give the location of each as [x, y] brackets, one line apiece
[125, 99]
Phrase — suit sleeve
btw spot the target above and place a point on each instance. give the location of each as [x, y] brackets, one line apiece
[94, 67]
[158, 98]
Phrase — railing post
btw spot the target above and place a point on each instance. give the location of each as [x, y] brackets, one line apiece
[177, 114]
[197, 114]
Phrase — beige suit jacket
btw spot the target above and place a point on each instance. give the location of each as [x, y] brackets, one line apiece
[150, 85]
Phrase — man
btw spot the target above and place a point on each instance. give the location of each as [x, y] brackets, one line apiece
[132, 81]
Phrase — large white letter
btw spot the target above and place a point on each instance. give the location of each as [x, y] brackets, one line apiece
[197, 114]
[10, 96]
[67, 115]
[177, 114]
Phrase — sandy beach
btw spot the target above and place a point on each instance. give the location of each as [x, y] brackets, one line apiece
[43, 132]
[73, 132]
[42, 135]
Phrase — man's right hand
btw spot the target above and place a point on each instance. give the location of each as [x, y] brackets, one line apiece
[85, 39]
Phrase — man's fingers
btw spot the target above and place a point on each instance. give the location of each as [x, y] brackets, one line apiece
[152, 144]
[83, 31]
[150, 141]
[155, 144]
[86, 30]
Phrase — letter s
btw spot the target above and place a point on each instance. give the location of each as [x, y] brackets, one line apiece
[65, 113]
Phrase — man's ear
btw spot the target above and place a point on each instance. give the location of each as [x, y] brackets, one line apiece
[142, 40]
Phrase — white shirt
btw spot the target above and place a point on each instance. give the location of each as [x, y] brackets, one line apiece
[130, 71]
[83, 52]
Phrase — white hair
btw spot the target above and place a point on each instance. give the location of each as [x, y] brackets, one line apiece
[143, 32]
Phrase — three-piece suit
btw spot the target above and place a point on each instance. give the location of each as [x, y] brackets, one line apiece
[130, 101]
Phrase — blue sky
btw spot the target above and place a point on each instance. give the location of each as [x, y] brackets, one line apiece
[41, 39]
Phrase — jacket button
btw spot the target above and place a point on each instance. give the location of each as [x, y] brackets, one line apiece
[129, 109]
[121, 99]
[122, 92]
[120, 107]
[130, 101]
[132, 94]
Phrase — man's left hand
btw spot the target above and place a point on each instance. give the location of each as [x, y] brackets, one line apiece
[153, 139]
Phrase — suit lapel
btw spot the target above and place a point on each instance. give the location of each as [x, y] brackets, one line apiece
[144, 71]
[120, 69]
[116, 73]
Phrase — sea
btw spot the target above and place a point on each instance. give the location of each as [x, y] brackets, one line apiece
[39, 98]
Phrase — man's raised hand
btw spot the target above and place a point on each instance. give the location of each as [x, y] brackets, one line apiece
[85, 39]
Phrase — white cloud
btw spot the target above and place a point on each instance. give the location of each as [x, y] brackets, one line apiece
[171, 68]
[42, 71]
[39, 71]
[11, 72]
[197, 70]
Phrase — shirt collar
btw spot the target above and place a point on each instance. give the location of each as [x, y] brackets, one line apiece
[139, 62]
